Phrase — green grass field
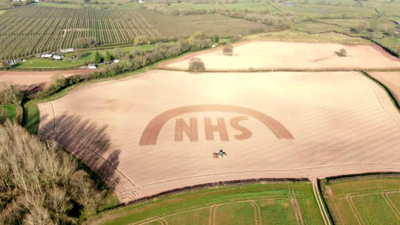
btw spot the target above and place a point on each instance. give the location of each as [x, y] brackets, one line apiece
[87, 56]
[365, 200]
[289, 35]
[256, 6]
[320, 11]
[130, 5]
[12, 111]
[393, 43]
[269, 203]
[315, 27]
[57, 5]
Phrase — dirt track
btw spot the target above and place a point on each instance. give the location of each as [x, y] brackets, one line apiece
[38, 77]
[341, 122]
[273, 55]
[390, 80]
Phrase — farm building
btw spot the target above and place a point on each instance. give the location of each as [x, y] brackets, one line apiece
[92, 66]
[46, 55]
[66, 50]
[58, 57]
[15, 61]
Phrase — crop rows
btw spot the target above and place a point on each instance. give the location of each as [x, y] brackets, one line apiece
[210, 24]
[30, 30]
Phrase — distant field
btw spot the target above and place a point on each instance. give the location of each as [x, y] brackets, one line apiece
[330, 2]
[270, 203]
[57, 5]
[364, 200]
[257, 6]
[304, 37]
[30, 30]
[393, 43]
[213, 24]
[130, 5]
[314, 27]
[256, 55]
[319, 11]
[391, 80]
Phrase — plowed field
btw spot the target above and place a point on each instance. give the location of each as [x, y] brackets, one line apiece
[158, 131]
[271, 55]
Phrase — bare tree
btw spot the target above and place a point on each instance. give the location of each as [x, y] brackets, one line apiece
[342, 52]
[196, 64]
[40, 183]
[9, 94]
[228, 50]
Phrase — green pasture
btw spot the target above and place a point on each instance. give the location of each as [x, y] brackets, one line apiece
[257, 6]
[372, 200]
[320, 11]
[289, 35]
[315, 27]
[318, 2]
[12, 111]
[87, 57]
[393, 43]
[354, 23]
[130, 5]
[269, 203]
[57, 5]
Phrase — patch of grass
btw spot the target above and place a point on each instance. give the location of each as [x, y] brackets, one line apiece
[392, 43]
[57, 5]
[130, 5]
[31, 117]
[364, 197]
[315, 27]
[87, 56]
[2, 11]
[289, 35]
[256, 6]
[12, 111]
[235, 205]
[325, 11]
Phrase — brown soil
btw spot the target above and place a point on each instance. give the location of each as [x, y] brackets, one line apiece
[340, 123]
[42, 78]
[391, 80]
[275, 55]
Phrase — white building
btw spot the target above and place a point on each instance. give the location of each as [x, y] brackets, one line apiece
[58, 57]
[46, 55]
[92, 66]
[66, 50]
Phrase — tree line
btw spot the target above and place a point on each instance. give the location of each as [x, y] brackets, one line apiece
[41, 183]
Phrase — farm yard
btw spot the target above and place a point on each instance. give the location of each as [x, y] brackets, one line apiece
[269, 203]
[256, 55]
[364, 200]
[314, 114]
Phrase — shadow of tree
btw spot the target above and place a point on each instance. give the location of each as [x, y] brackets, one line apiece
[88, 142]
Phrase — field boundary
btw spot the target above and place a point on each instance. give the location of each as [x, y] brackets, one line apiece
[392, 97]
